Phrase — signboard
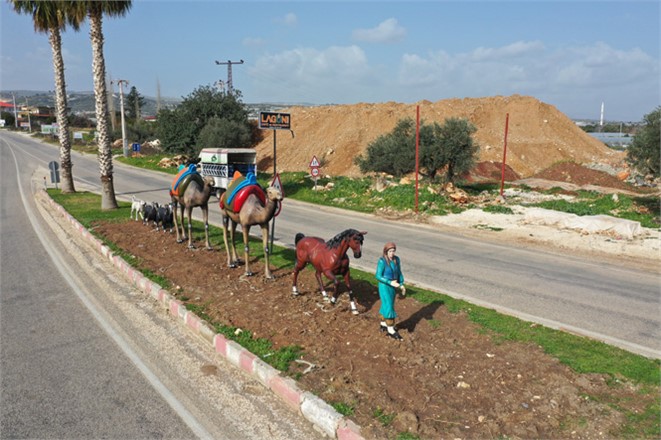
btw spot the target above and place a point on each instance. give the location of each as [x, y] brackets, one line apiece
[2, 122]
[136, 147]
[275, 121]
[315, 172]
[314, 163]
[25, 124]
[77, 134]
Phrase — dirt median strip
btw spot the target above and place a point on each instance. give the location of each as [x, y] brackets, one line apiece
[315, 410]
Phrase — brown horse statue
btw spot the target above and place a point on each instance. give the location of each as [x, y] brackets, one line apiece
[329, 258]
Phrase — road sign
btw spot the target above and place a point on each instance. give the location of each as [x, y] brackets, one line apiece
[314, 163]
[314, 171]
[136, 147]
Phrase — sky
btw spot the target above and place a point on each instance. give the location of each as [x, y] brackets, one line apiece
[573, 55]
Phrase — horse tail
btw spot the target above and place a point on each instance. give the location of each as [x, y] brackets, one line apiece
[298, 238]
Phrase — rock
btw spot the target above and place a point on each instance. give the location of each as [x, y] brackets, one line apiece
[406, 421]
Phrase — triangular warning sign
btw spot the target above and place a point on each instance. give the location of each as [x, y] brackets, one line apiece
[314, 163]
[276, 183]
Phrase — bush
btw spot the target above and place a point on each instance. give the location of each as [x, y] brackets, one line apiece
[393, 153]
[643, 153]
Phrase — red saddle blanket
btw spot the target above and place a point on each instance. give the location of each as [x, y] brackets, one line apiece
[241, 196]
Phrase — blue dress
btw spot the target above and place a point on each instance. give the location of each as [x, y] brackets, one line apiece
[385, 273]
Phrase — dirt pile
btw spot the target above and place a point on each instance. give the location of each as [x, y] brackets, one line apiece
[539, 135]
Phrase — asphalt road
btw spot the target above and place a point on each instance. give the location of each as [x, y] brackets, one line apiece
[85, 355]
[609, 302]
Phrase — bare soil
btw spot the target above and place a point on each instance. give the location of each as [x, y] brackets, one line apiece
[446, 379]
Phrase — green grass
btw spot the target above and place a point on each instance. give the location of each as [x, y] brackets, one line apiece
[581, 354]
[382, 417]
[148, 162]
[345, 409]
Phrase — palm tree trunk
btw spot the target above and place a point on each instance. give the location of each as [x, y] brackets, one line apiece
[61, 110]
[108, 200]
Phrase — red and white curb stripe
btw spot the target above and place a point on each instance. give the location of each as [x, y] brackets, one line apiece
[314, 409]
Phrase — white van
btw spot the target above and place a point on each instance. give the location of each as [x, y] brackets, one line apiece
[220, 163]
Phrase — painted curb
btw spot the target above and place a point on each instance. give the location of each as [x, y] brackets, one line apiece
[311, 407]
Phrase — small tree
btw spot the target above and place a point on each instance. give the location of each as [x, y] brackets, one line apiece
[224, 133]
[450, 146]
[643, 153]
[179, 130]
[134, 103]
[392, 153]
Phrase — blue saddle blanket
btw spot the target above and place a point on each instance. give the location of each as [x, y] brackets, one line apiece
[250, 179]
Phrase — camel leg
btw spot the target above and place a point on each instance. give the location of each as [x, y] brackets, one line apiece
[235, 256]
[226, 221]
[175, 211]
[189, 212]
[182, 224]
[205, 216]
[265, 242]
[246, 249]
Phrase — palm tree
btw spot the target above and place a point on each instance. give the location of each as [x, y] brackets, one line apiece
[95, 10]
[52, 17]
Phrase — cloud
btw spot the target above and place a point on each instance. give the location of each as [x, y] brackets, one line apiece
[253, 42]
[388, 31]
[288, 19]
[307, 74]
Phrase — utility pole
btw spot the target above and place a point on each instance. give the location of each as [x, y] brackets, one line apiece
[230, 88]
[15, 113]
[121, 105]
[27, 108]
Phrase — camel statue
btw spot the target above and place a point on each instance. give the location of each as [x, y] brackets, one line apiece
[194, 190]
[256, 210]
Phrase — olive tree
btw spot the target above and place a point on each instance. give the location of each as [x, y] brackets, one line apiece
[643, 153]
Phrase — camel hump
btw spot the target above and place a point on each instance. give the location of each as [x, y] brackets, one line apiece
[298, 237]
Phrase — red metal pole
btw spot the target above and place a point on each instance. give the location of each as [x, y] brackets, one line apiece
[502, 174]
[417, 148]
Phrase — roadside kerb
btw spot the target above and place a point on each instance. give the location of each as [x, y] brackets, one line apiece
[312, 408]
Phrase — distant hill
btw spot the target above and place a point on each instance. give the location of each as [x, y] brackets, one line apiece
[78, 102]
[83, 102]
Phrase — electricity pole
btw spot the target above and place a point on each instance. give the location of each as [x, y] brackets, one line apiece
[230, 88]
[27, 108]
[121, 105]
[15, 114]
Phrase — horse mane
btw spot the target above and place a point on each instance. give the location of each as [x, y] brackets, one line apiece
[339, 238]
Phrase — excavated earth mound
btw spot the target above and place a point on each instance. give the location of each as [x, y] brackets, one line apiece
[539, 135]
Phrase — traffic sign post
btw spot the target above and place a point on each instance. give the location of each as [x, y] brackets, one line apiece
[314, 170]
[54, 168]
[276, 183]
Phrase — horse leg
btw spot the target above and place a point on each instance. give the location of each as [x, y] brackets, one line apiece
[352, 301]
[265, 242]
[297, 268]
[331, 276]
[321, 285]
[246, 249]
[205, 216]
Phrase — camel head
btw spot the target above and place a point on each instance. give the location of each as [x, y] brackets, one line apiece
[273, 194]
